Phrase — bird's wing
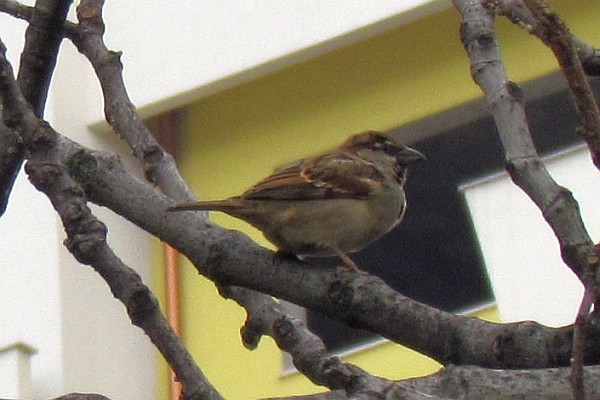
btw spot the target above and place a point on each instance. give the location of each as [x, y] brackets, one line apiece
[338, 175]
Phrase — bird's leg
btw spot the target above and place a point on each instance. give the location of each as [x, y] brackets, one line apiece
[349, 263]
[281, 255]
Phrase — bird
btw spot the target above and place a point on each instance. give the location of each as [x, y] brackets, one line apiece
[330, 204]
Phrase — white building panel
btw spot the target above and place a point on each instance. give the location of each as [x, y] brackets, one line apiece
[522, 256]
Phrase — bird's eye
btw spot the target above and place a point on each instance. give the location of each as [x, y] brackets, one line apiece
[382, 144]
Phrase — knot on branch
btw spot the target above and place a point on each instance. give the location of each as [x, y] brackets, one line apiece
[42, 139]
[114, 57]
[510, 342]
[561, 201]
[48, 177]
[153, 156]
[594, 258]
[83, 165]
[503, 347]
[86, 237]
[337, 373]
[42, 175]
[340, 295]
[255, 326]
[476, 32]
[514, 91]
[141, 304]
[89, 13]
[518, 166]
[285, 332]
[251, 333]
[74, 217]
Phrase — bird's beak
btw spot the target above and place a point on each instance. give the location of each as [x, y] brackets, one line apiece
[409, 155]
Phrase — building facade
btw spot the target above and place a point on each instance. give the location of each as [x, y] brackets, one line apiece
[254, 85]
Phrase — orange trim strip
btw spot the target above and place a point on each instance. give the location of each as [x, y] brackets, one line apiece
[173, 306]
[166, 129]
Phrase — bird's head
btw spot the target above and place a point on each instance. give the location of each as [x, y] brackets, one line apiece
[383, 151]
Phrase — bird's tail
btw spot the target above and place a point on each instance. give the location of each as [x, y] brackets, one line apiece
[226, 206]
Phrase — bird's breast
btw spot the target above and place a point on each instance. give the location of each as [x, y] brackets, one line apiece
[311, 227]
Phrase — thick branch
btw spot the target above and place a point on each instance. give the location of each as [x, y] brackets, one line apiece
[118, 109]
[230, 258]
[474, 383]
[457, 383]
[11, 152]
[161, 170]
[86, 236]
[160, 166]
[42, 40]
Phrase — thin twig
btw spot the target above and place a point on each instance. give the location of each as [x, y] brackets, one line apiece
[553, 31]
[519, 14]
[42, 41]
[577, 359]
[16, 9]
[119, 111]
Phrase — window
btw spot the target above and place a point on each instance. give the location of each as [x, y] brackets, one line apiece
[434, 256]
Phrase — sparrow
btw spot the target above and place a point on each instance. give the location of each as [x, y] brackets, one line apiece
[330, 204]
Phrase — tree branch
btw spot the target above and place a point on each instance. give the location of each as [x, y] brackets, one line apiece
[86, 236]
[521, 15]
[161, 170]
[16, 9]
[120, 112]
[266, 317]
[475, 383]
[457, 383]
[570, 52]
[557, 204]
[122, 115]
[11, 152]
[42, 40]
[231, 258]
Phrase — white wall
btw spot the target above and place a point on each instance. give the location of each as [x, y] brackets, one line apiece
[522, 256]
[29, 283]
[82, 335]
[191, 48]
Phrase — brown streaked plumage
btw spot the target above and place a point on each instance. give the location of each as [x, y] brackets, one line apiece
[330, 204]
